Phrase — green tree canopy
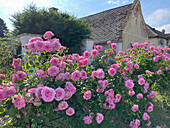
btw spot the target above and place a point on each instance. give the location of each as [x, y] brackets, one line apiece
[68, 29]
[3, 28]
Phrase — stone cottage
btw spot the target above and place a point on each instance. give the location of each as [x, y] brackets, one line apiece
[123, 25]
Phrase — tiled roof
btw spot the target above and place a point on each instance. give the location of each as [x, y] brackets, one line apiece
[152, 32]
[107, 25]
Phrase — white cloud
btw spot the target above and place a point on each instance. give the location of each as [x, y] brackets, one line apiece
[125, 1]
[9, 7]
[166, 27]
[159, 17]
[113, 2]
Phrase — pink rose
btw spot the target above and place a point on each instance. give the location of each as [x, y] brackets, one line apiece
[31, 46]
[2, 95]
[9, 91]
[112, 71]
[54, 61]
[59, 93]
[129, 84]
[150, 109]
[159, 72]
[70, 87]
[38, 92]
[152, 94]
[113, 45]
[38, 114]
[56, 44]
[118, 98]
[86, 54]
[20, 75]
[53, 71]
[62, 105]
[99, 47]
[136, 66]
[18, 101]
[76, 75]
[48, 46]
[99, 117]
[141, 81]
[94, 53]
[134, 108]
[48, 35]
[83, 75]
[48, 94]
[135, 123]
[100, 73]
[131, 93]
[16, 62]
[87, 95]
[40, 46]
[146, 86]
[146, 116]
[139, 96]
[94, 73]
[70, 111]
[88, 119]
[67, 76]
[129, 64]
[148, 124]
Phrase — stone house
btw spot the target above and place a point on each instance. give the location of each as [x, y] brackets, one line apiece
[123, 25]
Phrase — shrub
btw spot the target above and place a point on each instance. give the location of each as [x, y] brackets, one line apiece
[64, 90]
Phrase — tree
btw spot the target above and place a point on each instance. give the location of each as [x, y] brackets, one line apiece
[68, 29]
[3, 28]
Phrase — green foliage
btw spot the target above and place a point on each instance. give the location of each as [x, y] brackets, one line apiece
[9, 49]
[3, 28]
[68, 29]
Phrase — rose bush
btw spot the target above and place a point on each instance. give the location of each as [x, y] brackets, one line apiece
[54, 89]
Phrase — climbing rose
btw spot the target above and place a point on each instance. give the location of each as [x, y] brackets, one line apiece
[48, 35]
[54, 61]
[129, 84]
[112, 71]
[159, 72]
[53, 71]
[56, 44]
[76, 75]
[20, 75]
[94, 53]
[146, 116]
[83, 75]
[38, 92]
[2, 95]
[88, 119]
[136, 66]
[87, 95]
[59, 93]
[141, 81]
[113, 45]
[18, 101]
[99, 118]
[9, 91]
[86, 54]
[40, 46]
[48, 94]
[134, 108]
[152, 94]
[16, 62]
[62, 105]
[150, 109]
[100, 73]
[139, 96]
[135, 123]
[70, 111]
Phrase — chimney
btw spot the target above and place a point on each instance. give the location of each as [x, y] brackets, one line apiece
[163, 31]
[53, 9]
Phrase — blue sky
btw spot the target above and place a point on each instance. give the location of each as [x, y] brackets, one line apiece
[156, 12]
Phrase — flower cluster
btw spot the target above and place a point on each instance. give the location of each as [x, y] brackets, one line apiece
[61, 85]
